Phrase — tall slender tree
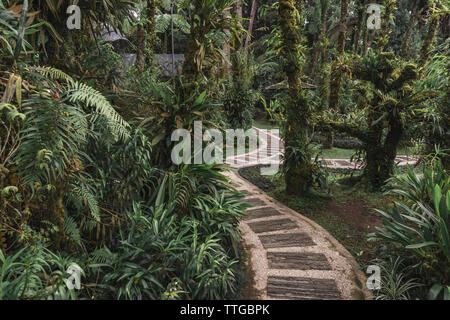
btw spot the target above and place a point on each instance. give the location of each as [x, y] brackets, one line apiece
[319, 27]
[250, 26]
[335, 81]
[150, 33]
[146, 35]
[336, 72]
[385, 32]
[298, 168]
[197, 36]
[360, 9]
[433, 26]
[410, 28]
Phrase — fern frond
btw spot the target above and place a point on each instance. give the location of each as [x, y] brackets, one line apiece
[71, 229]
[89, 199]
[52, 73]
[80, 92]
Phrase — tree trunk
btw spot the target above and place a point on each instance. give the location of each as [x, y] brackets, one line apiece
[314, 57]
[380, 158]
[383, 39]
[140, 48]
[191, 69]
[323, 78]
[335, 81]
[412, 20]
[237, 42]
[359, 25]
[297, 160]
[150, 33]
[433, 25]
[250, 26]
[365, 41]
[318, 56]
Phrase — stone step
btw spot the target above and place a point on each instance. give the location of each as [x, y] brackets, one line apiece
[272, 225]
[296, 288]
[261, 213]
[256, 202]
[298, 239]
[298, 261]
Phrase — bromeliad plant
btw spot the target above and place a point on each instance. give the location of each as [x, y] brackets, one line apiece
[171, 110]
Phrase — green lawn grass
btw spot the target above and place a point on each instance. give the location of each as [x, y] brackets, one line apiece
[264, 124]
[338, 153]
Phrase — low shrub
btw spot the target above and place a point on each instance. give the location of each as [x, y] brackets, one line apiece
[417, 227]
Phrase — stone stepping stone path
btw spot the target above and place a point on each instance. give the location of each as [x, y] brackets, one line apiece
[289, 240]
[298, 261]
[256, 202]
[262, 213]
[298, 288]
[290, 257]
[268, 153]
[273, 225]
[287, 255]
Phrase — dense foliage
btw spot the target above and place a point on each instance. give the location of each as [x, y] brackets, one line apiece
[86, 177]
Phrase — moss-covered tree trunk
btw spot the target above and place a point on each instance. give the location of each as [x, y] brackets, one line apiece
[359, 24]
[380, 155]
[197, 37]
[150, 31]
[409, 30]
[146, 37]
[140, 50]
[318, 54]
[297, 159]
[250, 26]
[323, 77]
[314, 57]
[336, 75]
[433, 25]
[384, 34]
[335, 81]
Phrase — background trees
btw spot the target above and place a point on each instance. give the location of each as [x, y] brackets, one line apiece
[85, 143]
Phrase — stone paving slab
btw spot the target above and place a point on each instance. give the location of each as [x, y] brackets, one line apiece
[286, 240]
[272, 225]
[298, 261]
[302, 288]
[256, 202]
[261, 213]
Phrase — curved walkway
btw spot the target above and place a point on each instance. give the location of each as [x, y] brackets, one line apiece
[292, 257]
[289, 255]
[271, 149]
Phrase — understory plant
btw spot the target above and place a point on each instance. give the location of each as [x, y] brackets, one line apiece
[417, 227]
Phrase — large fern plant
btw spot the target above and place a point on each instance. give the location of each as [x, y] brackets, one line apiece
[59, 116]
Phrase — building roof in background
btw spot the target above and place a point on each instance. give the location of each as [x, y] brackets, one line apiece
[109, 34]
